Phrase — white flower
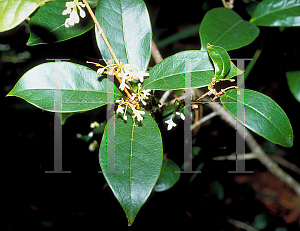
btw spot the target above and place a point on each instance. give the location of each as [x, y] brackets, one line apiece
[120, 109]
[181, 115]
[140, 75]
[146, 92]
[101, 70]
[170, 123]
[138, 114]
[123, 85]
[72, 10]
[74, 16]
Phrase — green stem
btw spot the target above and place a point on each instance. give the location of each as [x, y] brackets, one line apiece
[252, 63]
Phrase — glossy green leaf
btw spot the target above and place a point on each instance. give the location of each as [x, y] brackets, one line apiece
[14, 12]
[225, 28]
[233, 71]
[47, 25]
[170, 74]
[277, 13]
[167, 177]
[127, 27]
[262, 115]
[138, 154]
[293, 78]
[80, 88]
[221, 60]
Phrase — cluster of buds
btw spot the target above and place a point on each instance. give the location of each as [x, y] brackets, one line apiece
[133, 102]
[72, 10]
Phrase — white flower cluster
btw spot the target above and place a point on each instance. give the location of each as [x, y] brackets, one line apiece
[127, 73]
[171, 123]
[72, 10]
[133, 103]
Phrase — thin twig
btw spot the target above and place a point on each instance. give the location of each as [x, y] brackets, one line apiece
[155, 53]
[233, 156]
[165, 96]
[204, 119]
[241, 225]
[280, 160]
[100, 31]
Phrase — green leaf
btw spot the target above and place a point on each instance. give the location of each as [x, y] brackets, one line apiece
[138, 154]
[293, 78]
[47, 25]
[225, 28]
[221, 60]
[233, 71]
[277, 13]
[262, 115]
[127, 27]
[171, 72]
[167, 177]
[80, 89]
[14, 12]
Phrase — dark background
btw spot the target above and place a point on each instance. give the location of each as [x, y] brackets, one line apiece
[80, 201]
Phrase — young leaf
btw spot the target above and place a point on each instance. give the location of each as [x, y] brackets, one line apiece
[47, 25]
[168, 176]
[76, 87]
[127, 27]
[14, 12]
[225, 28]
[262, 115]
[233, 71]
[138, 154]
[221, 60]
[293, 78]
[277, 13]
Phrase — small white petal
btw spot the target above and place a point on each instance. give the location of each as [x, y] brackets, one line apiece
[74, 16]
[81, 4]
[125, 117]
[90, 134]
[123, 85]
[181, 115]
[120, 110]
[170, 123]
[67, 11]
[100, 71]
[71, 22]
[81, 12]
[70, 4]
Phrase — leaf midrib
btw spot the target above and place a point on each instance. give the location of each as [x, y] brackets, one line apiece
[258, 113]
[271, 12]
